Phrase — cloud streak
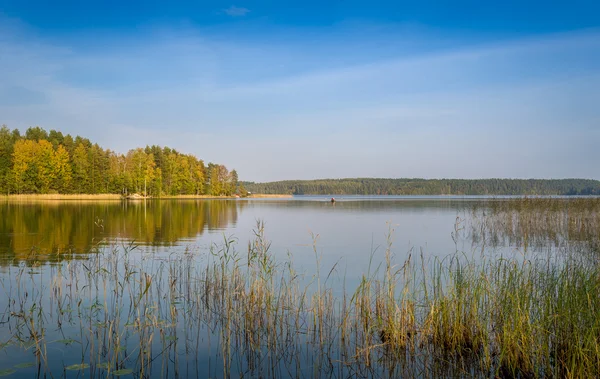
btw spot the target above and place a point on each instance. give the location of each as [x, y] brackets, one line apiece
[234, 11]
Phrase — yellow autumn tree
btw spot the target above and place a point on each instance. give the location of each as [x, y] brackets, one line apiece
[23, 170]
[62, 169]
[44, 161]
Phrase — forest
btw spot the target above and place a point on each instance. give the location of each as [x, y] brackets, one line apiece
[42, 162]
[370, 186]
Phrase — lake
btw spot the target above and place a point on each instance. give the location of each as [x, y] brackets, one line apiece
[130, 287]
[347, 232]
[352, 228]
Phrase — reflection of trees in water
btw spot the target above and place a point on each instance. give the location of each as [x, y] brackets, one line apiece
[541, 224]
[73, 227]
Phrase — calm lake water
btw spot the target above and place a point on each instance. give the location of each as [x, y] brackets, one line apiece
[41, 244]
[351, 229]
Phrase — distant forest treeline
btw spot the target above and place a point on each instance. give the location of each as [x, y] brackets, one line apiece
[50, 162]
[368, 186]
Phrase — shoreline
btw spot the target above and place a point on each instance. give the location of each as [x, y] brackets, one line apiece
[58, 196]
[117, 197]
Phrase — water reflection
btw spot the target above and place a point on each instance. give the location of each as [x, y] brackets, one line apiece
[74, 227]
[351, 228]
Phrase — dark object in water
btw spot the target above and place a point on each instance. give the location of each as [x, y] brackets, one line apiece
[384, 335]
[333, 200]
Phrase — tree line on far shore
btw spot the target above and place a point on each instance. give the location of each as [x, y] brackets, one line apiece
[371, 186]
[41, 162]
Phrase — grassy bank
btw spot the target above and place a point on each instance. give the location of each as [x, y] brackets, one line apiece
[254, 315]
[103, 197]
[35, 197]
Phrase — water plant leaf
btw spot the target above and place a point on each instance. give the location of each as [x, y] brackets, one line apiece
[121, 372]
[170, 338]
[103, 365]
[25, 365]
[7, 372]
[80, 366]
[66, 341]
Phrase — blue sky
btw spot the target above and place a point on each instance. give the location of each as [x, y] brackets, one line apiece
[300, 90]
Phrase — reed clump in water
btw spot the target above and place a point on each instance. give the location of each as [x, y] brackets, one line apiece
[540, 223]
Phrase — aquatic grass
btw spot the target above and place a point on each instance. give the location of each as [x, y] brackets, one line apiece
[456, 324]
[539, 223]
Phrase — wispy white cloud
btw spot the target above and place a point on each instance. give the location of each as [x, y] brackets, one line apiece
[234, 11]
[473, 66]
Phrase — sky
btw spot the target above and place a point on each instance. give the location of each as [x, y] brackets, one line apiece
[316, 89]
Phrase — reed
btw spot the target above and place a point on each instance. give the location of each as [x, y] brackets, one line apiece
[539, 223]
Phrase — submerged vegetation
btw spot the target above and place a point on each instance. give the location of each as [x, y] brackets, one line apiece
[42, 162]
[371, 186]
[228, 312]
